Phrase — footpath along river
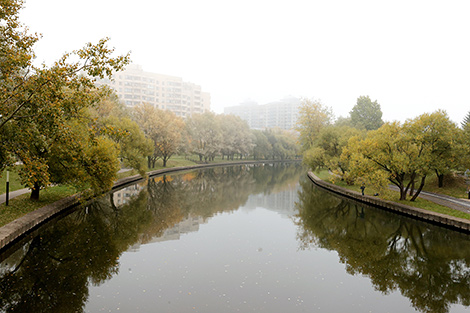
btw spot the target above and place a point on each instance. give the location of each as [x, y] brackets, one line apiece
[246, 238]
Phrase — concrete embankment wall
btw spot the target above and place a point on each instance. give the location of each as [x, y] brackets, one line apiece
[433, 217]
[27, 223]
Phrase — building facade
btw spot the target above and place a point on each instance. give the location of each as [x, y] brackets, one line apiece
[134, 86]
[282, 114]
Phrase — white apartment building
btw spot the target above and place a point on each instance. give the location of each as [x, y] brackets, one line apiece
[282, 114]
[134, 86]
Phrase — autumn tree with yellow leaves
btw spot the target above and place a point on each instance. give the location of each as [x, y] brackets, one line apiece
[44, 110]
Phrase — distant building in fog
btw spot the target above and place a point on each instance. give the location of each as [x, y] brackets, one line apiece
[134, 86]
[282, 114]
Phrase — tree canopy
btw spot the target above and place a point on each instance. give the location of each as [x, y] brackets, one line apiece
[44, 110]
[366, 114]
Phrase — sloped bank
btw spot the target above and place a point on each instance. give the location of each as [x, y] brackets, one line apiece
[422, 214]
[26, 224]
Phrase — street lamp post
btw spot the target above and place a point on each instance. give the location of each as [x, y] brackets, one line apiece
[8, 187]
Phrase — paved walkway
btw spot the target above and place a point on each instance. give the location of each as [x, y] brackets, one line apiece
[13, 194]
[448, 201]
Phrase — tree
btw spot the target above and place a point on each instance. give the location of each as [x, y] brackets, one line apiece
[205, 135]
[262, 148]
[146, 115]
[386, 154]
[366, 114]
[114, 120]
[466, 122]
[313, 116]
[166, 131]
[328, 147]
[405, 154]
[283, 143]
[16, 53]
[46, 108]
[441, 139]
[171, 135]
[236, 136]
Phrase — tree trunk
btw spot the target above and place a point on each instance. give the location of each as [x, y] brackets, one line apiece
[440, 180]
[35, 192]
[402, 193]
[164, 161]
[412, 188]
[419, 189]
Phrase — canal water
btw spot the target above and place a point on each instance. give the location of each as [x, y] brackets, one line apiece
[257, 238]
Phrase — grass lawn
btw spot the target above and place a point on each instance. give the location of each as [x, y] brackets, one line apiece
[21, 205]
[14, 181]
[452, 187]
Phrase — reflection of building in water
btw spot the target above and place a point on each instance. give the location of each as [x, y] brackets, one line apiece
[188, 225]
[122, 196]
[282, 202]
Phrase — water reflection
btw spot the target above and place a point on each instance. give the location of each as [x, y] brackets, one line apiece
[53, 272]
[427, 264]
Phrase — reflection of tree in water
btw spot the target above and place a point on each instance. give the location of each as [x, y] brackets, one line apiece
[52, 272]
[427, 264]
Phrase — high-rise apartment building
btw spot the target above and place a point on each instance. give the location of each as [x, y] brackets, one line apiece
[134, 86]
[282, 114]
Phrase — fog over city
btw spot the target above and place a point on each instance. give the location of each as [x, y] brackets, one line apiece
[410, 56]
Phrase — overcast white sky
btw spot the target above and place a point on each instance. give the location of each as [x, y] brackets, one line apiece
[410, 56]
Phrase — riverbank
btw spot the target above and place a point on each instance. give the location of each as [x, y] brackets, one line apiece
[422, 214]
[11, 232]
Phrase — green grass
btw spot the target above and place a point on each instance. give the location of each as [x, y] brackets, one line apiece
[21, 205]
[452, 187]
[14, 180]
[431, 206]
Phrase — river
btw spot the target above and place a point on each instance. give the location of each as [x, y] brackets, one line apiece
[251, 238]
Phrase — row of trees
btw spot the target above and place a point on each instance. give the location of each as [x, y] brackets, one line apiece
[154, 134]
[64, 129]
[363, 149]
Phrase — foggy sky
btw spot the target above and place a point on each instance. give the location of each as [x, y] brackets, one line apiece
[410, 56]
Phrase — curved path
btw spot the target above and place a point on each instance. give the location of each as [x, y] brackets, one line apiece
[444, 200]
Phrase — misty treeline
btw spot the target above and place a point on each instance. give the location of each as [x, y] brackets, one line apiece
[362, 149]
[200, 137]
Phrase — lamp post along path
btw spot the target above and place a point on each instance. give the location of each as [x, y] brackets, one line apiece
[8, 187]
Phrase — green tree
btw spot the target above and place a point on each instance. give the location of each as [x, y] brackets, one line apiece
[283, 143]
[166, 131]
[466, 122]
[262, 147]
[441, 139]
[114, 120]
[44, 110]
[236, 136]
[313, 116]
[366, 114]
[328, 147]
[386, 155]
[205, 135]
[171, 135]
[405, 154]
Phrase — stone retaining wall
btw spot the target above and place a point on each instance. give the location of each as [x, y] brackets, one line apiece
[25, 224]
[434, 217]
